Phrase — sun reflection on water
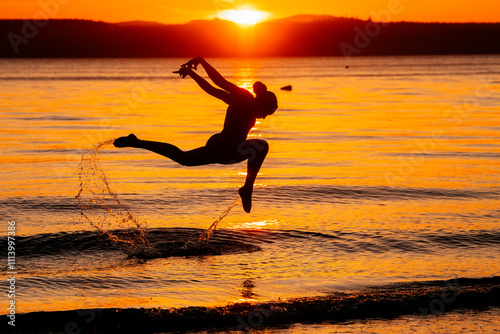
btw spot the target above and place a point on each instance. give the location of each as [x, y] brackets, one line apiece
[267, 224]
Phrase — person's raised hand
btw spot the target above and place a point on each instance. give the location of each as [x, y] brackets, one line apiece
[193, 63]
[183, 71]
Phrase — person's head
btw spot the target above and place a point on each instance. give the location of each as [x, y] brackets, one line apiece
[266, 102]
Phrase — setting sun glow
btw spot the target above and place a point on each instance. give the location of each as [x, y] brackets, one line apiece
[244, 17]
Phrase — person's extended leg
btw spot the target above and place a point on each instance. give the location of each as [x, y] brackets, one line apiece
[257, 150]
[196, 157]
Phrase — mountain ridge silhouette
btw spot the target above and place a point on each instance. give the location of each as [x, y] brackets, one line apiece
[303, 35]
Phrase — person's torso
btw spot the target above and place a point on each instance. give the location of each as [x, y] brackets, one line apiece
[239, 117]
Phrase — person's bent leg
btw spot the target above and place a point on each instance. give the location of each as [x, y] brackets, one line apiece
[257, 150]
[196, 157]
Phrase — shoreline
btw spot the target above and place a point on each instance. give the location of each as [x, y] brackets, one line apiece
[418, 299]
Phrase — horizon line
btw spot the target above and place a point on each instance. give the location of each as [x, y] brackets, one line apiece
[320, 18]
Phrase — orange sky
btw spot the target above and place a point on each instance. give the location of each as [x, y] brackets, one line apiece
[180, 11]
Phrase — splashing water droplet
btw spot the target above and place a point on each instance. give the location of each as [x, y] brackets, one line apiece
[101, 207]
[208, 233]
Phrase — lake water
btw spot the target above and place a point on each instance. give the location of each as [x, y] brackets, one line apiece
[382, 172]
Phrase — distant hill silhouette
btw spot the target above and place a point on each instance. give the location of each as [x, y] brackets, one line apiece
[139, 23]
[306, 18]
[304, 35]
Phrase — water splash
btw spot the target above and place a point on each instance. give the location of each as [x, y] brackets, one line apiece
[103, 210]
[209, 231]
[101, 207]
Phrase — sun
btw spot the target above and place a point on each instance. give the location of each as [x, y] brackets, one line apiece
[245, 17]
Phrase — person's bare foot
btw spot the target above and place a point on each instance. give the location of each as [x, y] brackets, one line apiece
[127, 141]
[246, 197]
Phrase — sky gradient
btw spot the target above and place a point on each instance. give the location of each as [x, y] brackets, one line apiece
[169, 11]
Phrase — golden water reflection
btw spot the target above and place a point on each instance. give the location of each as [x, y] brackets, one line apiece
[349, 153]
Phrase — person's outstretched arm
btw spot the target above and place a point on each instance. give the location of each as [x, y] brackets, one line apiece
[205, 85]
[214, 75]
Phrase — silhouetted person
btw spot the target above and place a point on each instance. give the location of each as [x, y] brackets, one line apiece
[231, 145]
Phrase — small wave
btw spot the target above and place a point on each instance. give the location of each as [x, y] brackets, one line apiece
[81, 78]
[331, 193]
[166, 242]
[40, 203]
[187, 249]
[59, 243]
[418, 299]
[292, 194]
[52, 118]
[411, 242]
[162, 242]
[453, 155]
[372, 74]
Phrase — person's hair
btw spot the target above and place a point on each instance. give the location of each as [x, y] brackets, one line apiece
[259, 88]
[264, 97]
